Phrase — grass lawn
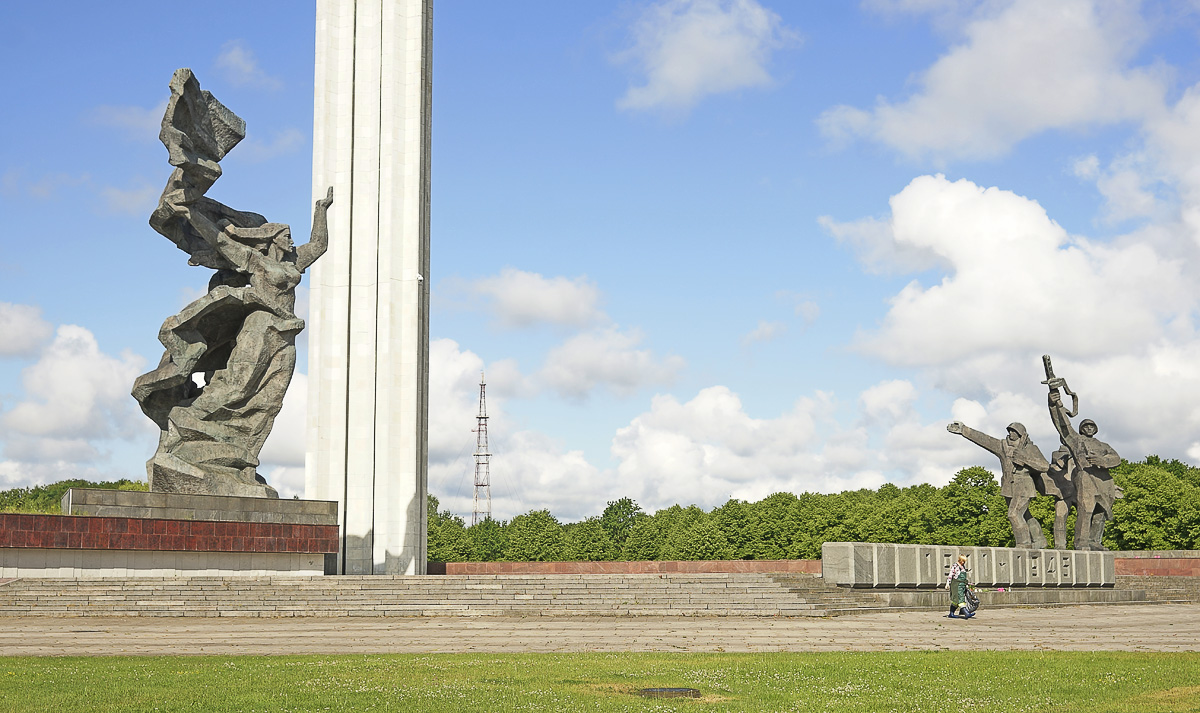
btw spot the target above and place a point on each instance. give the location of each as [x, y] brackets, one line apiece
[987, 681]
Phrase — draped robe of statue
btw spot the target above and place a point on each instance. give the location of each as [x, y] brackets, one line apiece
[239, 338]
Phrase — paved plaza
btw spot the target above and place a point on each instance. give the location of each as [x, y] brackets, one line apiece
[1146, 627]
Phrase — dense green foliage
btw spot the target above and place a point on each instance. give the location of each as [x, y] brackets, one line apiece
[46, 498]
[1160, 510]
[1097, 682]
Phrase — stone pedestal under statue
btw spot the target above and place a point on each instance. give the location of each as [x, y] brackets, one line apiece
[115, 533]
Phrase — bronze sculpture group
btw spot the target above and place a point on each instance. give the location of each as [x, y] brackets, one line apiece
[1077, 474]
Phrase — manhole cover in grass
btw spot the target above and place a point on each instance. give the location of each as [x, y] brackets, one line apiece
[669, 692]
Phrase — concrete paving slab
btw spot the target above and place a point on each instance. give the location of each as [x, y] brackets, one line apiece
[1082, 628]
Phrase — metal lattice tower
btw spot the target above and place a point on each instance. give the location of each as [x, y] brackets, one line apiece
[483, 460]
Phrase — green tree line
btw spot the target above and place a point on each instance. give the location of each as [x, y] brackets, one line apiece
[46, 499]
[1160, 509]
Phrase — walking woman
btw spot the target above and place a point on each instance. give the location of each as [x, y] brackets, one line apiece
[956, 582]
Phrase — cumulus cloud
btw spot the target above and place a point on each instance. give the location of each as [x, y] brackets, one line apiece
[707, 450]
[1118, 317]
[75, 406]
[918, 6]
[529, 469]
[23, 474]
[22, 329]
[607, 358]
[1016, 281]
[285, 446]
[240, 67]
[889, 401]
[517, 298]
[1021, 68]
[689, 49]
[1123, 184]
[76, 391]
[872, 241]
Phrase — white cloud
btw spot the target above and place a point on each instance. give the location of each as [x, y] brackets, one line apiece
[137, 201]
[606, 358]
[240, 67]
[33, 449]
[138, 123]
[873, 243]
[522, 299]
[23, 474]
[1023, 68]
[75, 407]
[808, 311]
[690, 49]
[706, 450]
[76, 391]
[1017, 282]
[1123, 185]
[285, 445]
[889, 401]
[454, 400]
[918, 6]
[529, 469]
[764, 332]
[288, 481]
[22, 329]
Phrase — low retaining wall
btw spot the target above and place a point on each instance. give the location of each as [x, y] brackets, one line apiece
[870, 564]
[1159, 563]
[667, 567]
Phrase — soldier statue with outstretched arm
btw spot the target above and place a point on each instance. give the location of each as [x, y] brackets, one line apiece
[1087, 465]
[1022, 469]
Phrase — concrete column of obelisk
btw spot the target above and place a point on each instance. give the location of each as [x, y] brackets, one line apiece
[369, 307]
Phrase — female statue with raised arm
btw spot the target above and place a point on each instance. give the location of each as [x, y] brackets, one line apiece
[240, 337]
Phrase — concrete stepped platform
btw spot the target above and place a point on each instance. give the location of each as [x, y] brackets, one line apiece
[541, 595]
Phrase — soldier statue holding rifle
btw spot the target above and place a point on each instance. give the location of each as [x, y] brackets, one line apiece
[1085, 461]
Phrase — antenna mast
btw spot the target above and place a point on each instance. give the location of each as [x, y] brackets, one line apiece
[483, 460]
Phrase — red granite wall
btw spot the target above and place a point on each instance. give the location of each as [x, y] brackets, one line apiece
[1159, 566]
[128, 533]
[690, 567]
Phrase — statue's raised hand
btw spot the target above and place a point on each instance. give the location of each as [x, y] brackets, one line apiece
[324, 203]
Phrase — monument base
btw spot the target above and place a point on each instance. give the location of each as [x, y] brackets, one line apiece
[112, 533]
[878, 565]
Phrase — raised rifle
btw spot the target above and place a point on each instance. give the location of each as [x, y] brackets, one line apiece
[1055, 383]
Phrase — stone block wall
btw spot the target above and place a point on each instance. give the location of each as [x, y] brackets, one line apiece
[867, 564]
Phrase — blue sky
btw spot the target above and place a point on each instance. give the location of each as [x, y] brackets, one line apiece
[703, 248]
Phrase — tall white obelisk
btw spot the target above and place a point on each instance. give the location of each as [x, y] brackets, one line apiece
[367, 444]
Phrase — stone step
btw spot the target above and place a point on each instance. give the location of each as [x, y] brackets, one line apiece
[521, 595]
